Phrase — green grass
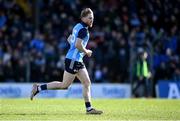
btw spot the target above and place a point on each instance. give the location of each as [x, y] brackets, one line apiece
[73, 109]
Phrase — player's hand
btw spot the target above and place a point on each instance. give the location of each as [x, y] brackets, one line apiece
[89, 53]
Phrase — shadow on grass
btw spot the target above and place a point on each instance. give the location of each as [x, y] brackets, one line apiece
[23, 114]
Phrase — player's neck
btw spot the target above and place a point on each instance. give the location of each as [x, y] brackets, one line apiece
[84, 24]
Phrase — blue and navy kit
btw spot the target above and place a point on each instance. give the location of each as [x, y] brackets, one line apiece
[80, 30]
[74, 57]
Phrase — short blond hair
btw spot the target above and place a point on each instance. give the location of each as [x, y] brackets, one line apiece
[85, 12]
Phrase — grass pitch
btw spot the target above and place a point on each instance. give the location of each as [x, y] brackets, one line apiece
[73, 109]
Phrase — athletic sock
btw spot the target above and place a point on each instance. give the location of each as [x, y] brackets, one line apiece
[88, 106]
[39, 88]
[42, 87]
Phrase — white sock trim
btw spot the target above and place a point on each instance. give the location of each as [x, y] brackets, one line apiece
[39, 88]
[89, 108]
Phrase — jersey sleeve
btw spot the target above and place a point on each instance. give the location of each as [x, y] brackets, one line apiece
[82, 33]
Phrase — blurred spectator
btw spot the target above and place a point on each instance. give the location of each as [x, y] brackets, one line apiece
[38, 43]
[3, 19]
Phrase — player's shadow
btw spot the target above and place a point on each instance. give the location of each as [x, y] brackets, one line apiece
[22, 114]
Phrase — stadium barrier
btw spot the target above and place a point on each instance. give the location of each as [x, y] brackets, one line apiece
[22, 90]
[168, 89]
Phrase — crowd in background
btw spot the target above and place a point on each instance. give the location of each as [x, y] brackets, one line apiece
[33, 41]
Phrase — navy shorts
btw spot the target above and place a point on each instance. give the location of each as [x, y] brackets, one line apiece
[73, 66]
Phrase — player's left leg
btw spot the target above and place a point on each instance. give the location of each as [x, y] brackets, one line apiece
[83, 76]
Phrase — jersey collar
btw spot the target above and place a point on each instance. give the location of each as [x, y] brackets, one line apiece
[84, 24]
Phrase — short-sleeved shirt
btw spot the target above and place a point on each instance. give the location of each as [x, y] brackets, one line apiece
[80, 30]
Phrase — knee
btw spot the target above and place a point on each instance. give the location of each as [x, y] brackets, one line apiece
[87, 84]
[64, 86]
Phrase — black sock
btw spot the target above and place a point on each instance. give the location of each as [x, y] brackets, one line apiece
[43, 87]
[88, 106]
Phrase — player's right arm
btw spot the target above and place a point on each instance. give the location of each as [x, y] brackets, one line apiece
[80, 47]
[79, 42]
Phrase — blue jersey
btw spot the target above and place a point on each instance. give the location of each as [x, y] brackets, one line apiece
[80, 30]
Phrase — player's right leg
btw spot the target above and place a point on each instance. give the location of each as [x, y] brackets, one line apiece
[68, 78]
[55, 85]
